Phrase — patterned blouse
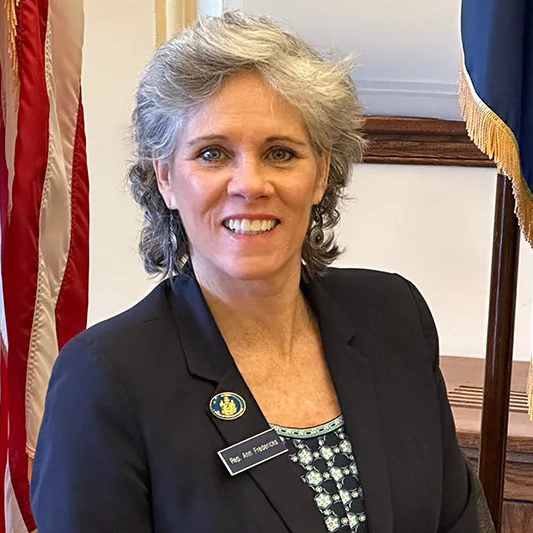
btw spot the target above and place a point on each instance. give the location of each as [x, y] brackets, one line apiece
[323, 456]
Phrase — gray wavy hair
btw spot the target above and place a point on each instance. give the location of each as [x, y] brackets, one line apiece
[188, 69]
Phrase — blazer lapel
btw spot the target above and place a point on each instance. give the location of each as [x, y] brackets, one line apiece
[277, 478]
[352, 377]
[208, 358]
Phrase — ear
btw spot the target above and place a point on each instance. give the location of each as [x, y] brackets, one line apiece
[162, 174]
[322, 177]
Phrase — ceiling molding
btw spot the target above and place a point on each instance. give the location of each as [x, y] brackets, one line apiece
[410, 98]
[408, 88]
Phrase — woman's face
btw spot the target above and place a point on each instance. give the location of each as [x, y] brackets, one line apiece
[244, 179]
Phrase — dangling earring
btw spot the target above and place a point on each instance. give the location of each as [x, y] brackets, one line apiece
[316, 233]
[172, 237]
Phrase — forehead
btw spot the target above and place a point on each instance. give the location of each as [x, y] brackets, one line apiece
[246, 105]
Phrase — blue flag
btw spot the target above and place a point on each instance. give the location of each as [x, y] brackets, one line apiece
[496, 95]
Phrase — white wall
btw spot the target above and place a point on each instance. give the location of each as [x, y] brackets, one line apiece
[432, 225]
[209, 7]
[408, 52]
[119, 39]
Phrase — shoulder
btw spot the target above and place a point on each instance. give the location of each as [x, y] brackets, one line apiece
[148, 318]
[383, 301]
[369, 287]
[129, 343]
[359, 277]
[148, 313]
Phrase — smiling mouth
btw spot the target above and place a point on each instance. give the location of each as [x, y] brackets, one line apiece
[250, 227]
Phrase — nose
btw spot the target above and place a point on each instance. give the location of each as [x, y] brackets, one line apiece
[249, 179]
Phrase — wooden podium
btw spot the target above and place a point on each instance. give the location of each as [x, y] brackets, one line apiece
[464, 381]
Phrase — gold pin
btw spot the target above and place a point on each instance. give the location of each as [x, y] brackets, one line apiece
[227, 405]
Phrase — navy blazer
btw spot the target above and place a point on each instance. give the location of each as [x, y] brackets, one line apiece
[128, 444]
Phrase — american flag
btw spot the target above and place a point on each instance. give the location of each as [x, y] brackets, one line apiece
[44, 224]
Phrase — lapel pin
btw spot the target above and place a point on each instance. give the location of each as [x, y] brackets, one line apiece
[227, 405]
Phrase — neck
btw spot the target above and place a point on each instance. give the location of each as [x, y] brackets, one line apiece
[254, 314]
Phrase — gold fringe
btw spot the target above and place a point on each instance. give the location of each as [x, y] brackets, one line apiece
[10, 7]
[492, 136]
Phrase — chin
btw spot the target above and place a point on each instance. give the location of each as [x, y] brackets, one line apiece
[253, 270]
[250, 274]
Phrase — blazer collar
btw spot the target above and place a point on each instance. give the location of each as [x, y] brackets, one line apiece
[208, 357]
[206, 352]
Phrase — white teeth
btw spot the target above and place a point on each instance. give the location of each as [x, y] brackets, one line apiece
[250, 226]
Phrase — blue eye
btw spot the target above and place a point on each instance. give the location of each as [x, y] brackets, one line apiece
[211, 154]
[281, 155]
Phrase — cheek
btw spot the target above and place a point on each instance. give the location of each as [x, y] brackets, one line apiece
[303, 196]
[197, 198]
[299, 206]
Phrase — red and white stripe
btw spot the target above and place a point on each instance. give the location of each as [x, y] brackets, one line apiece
[44, 217]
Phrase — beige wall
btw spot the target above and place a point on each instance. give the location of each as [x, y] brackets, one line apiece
[407, 52]
[119, 39]
[432, 225]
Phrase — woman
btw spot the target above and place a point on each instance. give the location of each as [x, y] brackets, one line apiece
[326, 380]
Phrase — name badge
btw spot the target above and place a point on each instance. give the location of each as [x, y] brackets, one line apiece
[252, 451]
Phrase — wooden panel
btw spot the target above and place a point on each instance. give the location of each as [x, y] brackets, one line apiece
[517, 517]
[518, 477]
[421, 141]
[471, 396]
[519, 481]
[469, 372]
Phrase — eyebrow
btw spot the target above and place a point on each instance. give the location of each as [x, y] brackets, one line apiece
[272, 138]
[288, 138]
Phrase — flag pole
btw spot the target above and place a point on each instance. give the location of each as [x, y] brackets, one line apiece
[499, 356]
